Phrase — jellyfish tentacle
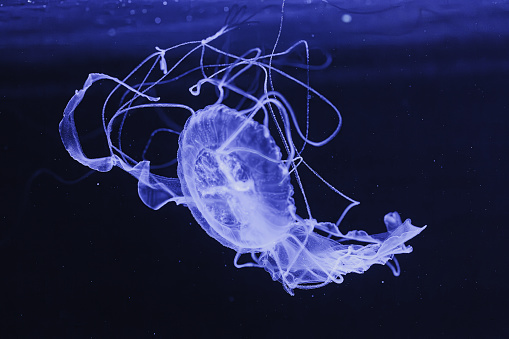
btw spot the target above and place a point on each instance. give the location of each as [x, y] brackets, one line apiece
[305, 259]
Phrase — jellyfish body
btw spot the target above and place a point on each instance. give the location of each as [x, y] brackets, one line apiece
[239, 191]
[235, 184]
[232, 175]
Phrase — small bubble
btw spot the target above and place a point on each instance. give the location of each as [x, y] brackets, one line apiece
[346, 18]
[157, 20]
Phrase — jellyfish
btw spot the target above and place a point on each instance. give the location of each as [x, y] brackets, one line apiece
[231, 173]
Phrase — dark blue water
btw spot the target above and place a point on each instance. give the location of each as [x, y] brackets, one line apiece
[422, 87]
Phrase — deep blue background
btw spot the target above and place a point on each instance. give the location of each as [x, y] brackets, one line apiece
[423, 89]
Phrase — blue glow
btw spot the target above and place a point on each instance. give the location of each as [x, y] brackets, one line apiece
[232, 174]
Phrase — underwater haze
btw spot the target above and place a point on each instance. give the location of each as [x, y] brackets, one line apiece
[353, 116]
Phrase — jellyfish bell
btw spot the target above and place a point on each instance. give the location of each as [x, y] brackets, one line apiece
[238, 189]
[232, 174]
